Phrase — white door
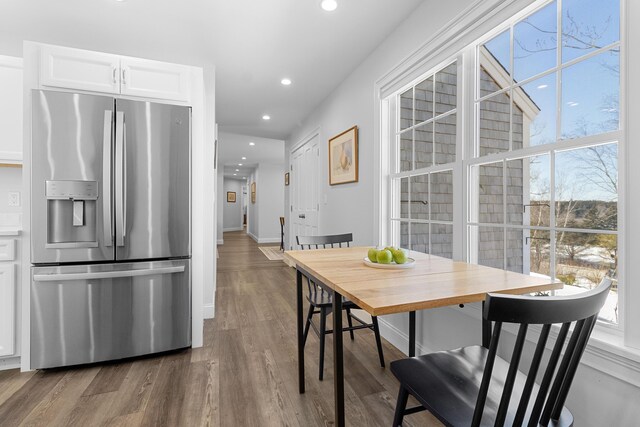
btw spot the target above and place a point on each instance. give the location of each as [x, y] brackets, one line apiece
[305, 176]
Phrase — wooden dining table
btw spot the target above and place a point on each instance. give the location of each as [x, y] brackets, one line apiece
[432, 282]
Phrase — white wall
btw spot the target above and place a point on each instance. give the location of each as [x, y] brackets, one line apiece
[352, 103]
[607, 385]
[253, 225]
[270, 199]
[220, 207]
[10, 180]
[232, 211]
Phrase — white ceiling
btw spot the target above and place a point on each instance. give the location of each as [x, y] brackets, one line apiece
[252, 43]
[232, 147]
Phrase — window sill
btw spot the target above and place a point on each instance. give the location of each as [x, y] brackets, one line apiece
[605, 351]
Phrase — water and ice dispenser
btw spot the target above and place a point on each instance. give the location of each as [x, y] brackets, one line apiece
[71, 214]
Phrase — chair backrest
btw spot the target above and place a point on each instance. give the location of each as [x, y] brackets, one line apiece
[321, 242]
[281, 221]
[580, 309]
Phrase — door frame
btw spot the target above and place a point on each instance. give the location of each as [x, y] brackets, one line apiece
[295, 147]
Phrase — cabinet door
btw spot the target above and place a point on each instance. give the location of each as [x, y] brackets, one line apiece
[79, 69]
[153, 79]
[10, 109]
[7, 309]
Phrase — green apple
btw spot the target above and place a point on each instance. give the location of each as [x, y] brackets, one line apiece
[390, 249]
[385, 256]
[399, 256]
[373, 255]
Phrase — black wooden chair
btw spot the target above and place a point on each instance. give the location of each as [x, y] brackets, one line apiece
[320, 301]
[471, 386]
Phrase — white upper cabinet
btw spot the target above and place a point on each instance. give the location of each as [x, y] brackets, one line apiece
[10, 110]
[79, 69]
[102, 72]
[153, 79]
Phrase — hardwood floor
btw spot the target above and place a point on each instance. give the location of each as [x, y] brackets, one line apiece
[245, 375]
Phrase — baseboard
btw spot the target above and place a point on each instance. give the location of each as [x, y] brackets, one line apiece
[269, 240]
[250, 234]
[220, 241]
[209, 311]
[226, 230]
[399, 339]
[9, 363]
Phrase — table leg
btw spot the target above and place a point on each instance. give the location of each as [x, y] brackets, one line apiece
[338, 368]
[300, 331]
[486, 330]
[412, 334]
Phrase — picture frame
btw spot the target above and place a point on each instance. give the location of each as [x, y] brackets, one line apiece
[343, 157]
[286, 178]
[231, 196]
[253, 192]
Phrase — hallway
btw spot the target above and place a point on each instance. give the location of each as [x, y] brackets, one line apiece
[246, 375]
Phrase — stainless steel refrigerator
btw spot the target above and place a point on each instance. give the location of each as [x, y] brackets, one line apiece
[110, 228]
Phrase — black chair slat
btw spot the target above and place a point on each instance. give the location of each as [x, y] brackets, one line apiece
[511, 375]
[531, 376]
[573, 366]
[548, 375]
[562, 369]
[486, 376]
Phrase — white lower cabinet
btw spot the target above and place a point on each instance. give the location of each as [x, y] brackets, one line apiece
[7, 309]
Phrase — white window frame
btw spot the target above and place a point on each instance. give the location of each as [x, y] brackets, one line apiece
[482, 21]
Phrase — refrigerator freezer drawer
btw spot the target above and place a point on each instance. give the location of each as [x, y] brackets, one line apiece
[92, 313]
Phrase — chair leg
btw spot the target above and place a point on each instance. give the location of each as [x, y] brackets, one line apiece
[401, 404]
[376, 332]
[307, 325]
[323, 329]
[348, 310]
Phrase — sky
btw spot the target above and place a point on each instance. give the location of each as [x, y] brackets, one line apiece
[590, 87]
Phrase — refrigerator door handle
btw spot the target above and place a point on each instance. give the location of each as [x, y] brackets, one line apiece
[119, 181]
[59, 277]
[106, 178]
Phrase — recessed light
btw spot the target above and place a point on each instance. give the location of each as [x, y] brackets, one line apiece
[285, 81]
[266, 117]
[252, 143]
[239, 164]
[237, 170]
[244, 158]
[235, 174]
[543, 86]
[244, 177]
[329, 5]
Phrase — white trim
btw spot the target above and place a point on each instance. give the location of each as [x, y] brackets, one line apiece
[262, 240]
[232, 229]
[209, 311]
[604, 352]
[220, 242]
[399, 339]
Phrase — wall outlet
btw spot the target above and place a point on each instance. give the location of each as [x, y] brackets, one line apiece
[14, 198]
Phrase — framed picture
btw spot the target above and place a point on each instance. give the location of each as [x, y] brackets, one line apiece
[253, 192]
[286, 178]
[343, 157]
[231, 196]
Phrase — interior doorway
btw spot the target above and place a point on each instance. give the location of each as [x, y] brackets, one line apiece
[305, 203]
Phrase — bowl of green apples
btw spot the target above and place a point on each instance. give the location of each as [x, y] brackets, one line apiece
[390, 258]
